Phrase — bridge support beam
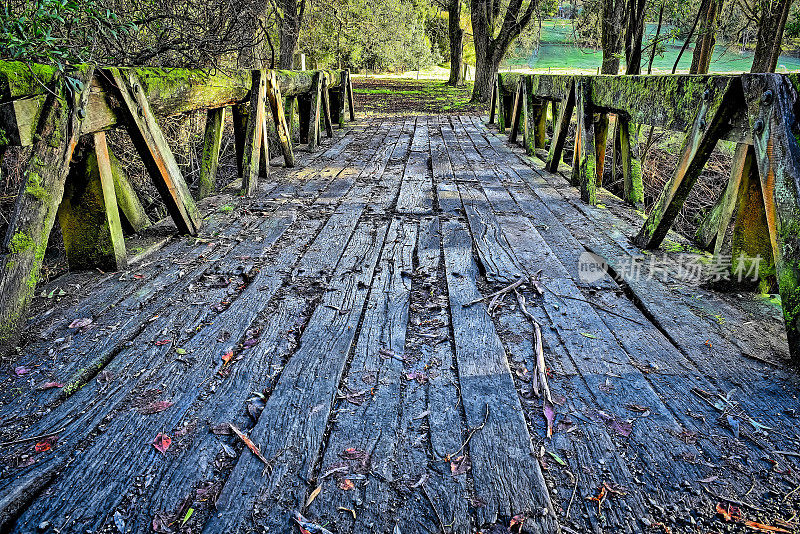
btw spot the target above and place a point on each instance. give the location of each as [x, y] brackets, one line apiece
[633, 187]
[584, 169]
[212, 141]
[560, 130]
[88, 214]
[273, 92]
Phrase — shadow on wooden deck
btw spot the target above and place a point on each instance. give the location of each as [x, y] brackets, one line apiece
[329, 319]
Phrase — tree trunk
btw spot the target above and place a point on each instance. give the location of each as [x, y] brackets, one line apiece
[770, 35]
[707, 38]
[634, 34]
[612, 34]
[489, 51]
[456, 35]
[289, 30]
[486, 67]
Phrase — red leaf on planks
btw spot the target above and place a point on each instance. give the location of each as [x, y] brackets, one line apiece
[353, 454]
[21, 370]
[155, 407]
[346, 484]
[460, 465]
[599, 498]
[46, 444]
[226, 358]
[50, 385]
[83, 322]
[517, 522]
[162, 342]
[729, 512]
[162, 443]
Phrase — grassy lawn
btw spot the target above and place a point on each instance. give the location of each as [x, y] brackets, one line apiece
[393, 94]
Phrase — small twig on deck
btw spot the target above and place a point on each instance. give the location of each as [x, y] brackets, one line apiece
[786, 497]
[733, 501]
[471, 433]
[540, 373]
[506, 289]
[435, 510]
[250, 445]
[572, 498]
[34, 438]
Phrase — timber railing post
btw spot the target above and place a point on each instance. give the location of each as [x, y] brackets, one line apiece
[633, 187]
[254, 137]
[276, 104]
[326, 106]
[155, 152]
[584, 169]
[697, 147]
[561, 129]
[517, 113]
[501, 105]
[314, 114]
[772, 101]
[40, 194]
[89, 214]
[493, 101]
[212, 141]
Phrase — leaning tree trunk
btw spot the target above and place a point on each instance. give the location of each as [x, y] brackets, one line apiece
[456, 35]
[770, 36]
[704, 47]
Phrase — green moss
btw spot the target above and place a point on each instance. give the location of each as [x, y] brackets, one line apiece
[226, 208]
[34, 188]
[23, 80]
[20, 242]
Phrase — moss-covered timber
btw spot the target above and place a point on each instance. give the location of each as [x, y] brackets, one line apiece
[772, 100]
[710, 123]
[665, 101]
[212, 141]
[35, 210]
[169, 92]
[88, 214]
[254, 136]
[128, 201]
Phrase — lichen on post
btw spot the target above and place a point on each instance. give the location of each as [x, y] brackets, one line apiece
[215, 124]
[35, 210]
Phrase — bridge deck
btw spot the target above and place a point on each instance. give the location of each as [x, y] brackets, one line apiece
[326, 318]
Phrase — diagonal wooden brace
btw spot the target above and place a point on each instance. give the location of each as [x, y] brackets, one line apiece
[710, 124]
[155, 152]
[561, 129]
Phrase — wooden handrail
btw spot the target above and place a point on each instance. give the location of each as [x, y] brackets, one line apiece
[54, 115]
[757, 111]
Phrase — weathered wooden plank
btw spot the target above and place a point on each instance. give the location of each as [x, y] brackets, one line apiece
[35, 209]
[276, 104]
[295, 416]
[155, 153]
[212, 140]
[314, 115]
[370, 422]
[510, 483]
[110, 200]
[518, 114]
[449, 493]
[416, 191]
[350, 104]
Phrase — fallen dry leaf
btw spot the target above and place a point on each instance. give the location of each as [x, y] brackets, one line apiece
[162, 443]
[155, 407]
[21, 370]
[46, 444]
[460, 465]
[346, 484]
[313, 495]
[80, 323]
[249, 443]
[353, 454]
[50, 385]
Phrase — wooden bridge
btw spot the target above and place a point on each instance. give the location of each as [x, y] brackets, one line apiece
[408, 323]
